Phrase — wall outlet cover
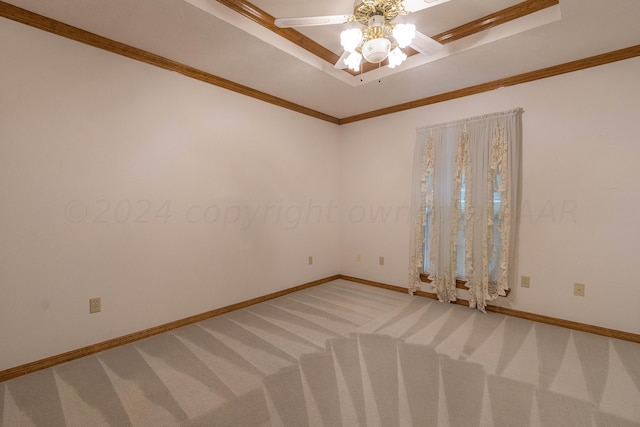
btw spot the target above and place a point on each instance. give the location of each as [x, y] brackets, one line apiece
[95, 305]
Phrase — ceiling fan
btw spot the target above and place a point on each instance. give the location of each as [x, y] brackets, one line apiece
[376, 38]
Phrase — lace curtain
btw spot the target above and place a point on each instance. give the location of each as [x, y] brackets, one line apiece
[466, 179]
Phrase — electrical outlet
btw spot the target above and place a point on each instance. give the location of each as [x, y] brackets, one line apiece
[578, 289]
[358, 257]
[381, 260]
[310, 260]
[95, 306]
[525, 281]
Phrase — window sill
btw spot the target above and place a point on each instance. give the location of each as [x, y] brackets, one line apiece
[459, 284]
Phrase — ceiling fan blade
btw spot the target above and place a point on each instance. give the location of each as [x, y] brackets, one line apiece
[416, 5]
[312, 20]
[340, 65]
[425, 44]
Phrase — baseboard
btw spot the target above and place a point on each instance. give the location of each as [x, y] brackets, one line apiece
[460, 284]
[49, 362]
[577, 326]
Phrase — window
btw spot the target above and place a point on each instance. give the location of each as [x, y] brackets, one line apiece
[466, 180]
[460, 264]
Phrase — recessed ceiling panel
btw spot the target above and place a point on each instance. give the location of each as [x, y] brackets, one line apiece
[239, 49]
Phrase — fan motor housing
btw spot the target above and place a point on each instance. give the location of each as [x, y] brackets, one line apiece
[363, 10]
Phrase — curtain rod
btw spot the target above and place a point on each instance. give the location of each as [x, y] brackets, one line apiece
[471, 119]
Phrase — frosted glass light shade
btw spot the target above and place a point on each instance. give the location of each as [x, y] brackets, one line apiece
[396, 57]
[404, 34]
[353, 61]
[376, 50]
[350, 39]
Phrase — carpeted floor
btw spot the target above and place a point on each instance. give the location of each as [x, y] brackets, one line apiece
[342, 354]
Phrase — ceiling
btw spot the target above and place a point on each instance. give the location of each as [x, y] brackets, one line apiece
[212, 37]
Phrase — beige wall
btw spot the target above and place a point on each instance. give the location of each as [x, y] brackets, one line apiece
[581, 199]
[162, 195]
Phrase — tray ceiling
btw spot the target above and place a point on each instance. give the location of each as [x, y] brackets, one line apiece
[213, 37]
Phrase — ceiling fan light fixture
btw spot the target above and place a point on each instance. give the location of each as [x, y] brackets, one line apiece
[350, 39]
[404, 34]
[376, 50]
[376, 36]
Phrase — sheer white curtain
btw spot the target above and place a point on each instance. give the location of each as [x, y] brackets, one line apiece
[466, 180]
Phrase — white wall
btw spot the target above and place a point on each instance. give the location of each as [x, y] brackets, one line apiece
[97, 149]
[85, 134]
[581, 199]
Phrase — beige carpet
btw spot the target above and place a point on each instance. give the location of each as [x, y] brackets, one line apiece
[342, 354]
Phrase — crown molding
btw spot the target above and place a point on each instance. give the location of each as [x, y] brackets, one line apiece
[494, 19]
[261, 17]
[35, 20]
[567, 67]
[64, 30]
